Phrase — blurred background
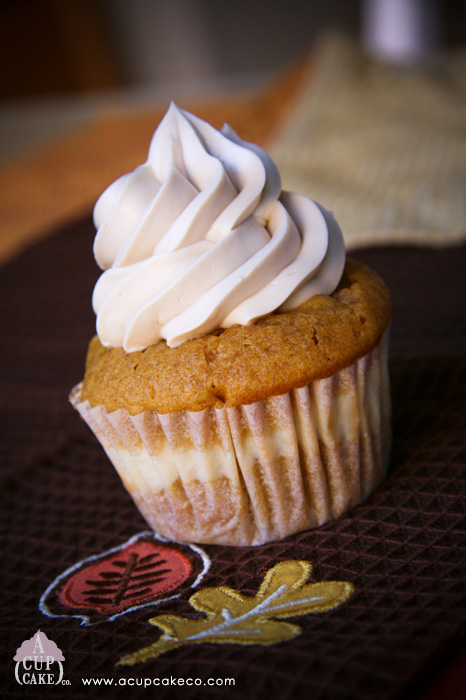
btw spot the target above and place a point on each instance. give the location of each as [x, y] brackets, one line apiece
[60, 60]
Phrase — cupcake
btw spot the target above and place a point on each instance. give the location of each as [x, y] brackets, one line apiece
[238, 379]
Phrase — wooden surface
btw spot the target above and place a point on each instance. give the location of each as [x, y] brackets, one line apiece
[60, 182]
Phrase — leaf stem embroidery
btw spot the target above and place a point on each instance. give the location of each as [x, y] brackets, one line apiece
[219, 629]
[132, 559]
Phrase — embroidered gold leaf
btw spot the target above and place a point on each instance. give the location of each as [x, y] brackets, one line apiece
[231, 617]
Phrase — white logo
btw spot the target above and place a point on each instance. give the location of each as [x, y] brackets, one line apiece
[39, 662]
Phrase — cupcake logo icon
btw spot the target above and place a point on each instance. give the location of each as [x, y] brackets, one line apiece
[39, 662]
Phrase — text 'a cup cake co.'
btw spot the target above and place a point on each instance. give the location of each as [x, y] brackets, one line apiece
[238, 380]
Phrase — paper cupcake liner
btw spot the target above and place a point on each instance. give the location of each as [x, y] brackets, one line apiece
[259, 472]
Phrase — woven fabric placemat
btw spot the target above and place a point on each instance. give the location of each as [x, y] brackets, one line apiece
[403, 550]
[383, 146]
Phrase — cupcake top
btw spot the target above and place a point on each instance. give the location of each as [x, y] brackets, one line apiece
[202, 237]
[219, 288]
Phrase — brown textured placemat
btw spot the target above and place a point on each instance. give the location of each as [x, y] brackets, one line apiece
[403, 550]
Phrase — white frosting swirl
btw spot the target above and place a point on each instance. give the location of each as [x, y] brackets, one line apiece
[201, 236]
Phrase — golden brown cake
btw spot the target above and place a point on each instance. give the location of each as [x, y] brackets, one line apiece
[244, 364]
[239, 379]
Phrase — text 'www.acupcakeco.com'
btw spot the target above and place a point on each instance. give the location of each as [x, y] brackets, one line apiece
[163, 681]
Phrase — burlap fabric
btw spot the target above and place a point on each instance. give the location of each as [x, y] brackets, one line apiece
[383, 146]
[403, 550]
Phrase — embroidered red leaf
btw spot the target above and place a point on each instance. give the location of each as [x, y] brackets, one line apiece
[143, 571]
[139, 572]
